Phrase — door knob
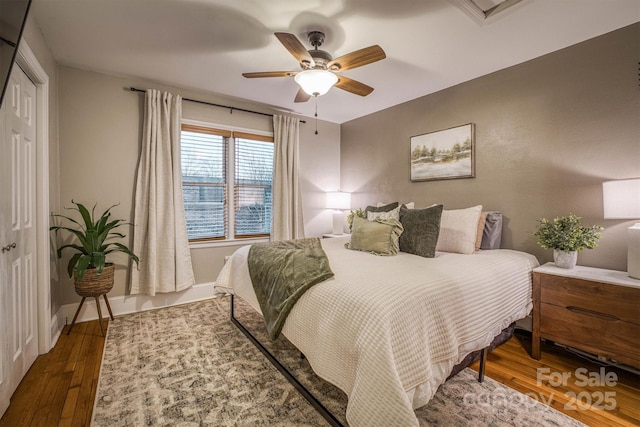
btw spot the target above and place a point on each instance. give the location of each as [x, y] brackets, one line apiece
[8, 247]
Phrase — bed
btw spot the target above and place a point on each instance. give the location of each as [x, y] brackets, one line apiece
[389, 330]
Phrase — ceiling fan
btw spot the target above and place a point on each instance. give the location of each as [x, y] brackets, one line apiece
[319, 69]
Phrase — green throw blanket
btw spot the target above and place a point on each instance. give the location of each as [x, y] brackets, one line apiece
[281, 272]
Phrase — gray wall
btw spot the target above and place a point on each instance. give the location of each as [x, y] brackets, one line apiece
[100, 132]
[548, 132]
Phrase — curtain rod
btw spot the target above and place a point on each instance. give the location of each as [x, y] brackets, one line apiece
[230, 108]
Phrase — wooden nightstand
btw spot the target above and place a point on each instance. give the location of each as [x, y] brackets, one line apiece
[590, 309]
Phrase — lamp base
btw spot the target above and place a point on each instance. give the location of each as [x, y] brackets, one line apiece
[633, 252]
[338, 222]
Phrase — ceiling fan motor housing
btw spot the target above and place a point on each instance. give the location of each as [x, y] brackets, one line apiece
[321, 58]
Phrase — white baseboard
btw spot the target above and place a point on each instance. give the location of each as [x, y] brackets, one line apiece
[135, 303]
[57, 324]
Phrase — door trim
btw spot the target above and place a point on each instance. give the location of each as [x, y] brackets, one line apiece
[29, 63]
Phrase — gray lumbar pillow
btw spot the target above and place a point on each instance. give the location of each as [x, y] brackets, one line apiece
[492, 233]
[421, 230]
[379, 236]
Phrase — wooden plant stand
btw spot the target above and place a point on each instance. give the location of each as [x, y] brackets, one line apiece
[97, 297]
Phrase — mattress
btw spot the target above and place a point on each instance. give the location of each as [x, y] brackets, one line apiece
[388, 330]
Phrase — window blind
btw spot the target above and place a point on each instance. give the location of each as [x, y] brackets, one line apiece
[204, 181]
[253, 179]
[218, 162]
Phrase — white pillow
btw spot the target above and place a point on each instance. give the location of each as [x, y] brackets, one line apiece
[392, 214]
[458, 230]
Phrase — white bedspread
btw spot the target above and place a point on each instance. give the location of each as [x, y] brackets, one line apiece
[388, 330]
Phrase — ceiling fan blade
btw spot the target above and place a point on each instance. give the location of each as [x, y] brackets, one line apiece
[302, 96]
[270, 74]
[358, 58]
[295, 48]
[353, 86]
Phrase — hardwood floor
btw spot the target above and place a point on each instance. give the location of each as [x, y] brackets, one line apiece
[511, 365]
[60, 387]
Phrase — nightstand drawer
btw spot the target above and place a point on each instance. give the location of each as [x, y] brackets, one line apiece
[590, 309]
[618, 301]
[592, 331]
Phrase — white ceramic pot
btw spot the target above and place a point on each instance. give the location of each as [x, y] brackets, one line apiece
[565, 259]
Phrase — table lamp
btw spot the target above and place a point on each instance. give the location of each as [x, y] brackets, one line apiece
[621, 200]
[338, 201]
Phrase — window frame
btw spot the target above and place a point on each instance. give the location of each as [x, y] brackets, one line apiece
[230, 133]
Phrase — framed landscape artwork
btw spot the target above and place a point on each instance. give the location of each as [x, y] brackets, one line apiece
[443, 154]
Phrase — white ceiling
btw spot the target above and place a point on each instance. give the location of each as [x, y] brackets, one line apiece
[207, 44]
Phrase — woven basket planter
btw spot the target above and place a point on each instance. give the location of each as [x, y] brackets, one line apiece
[94, 285]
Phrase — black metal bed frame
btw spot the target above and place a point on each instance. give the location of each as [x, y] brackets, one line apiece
[326, 414]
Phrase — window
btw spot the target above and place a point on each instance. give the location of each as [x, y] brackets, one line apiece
[226, 181]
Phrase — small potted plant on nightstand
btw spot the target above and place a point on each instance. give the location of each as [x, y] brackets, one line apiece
[566, 236]
[92, 274]
[357, 213]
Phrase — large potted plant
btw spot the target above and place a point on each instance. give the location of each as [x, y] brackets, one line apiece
[566, 236]
[92, 274]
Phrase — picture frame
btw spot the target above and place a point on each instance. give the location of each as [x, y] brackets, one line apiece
[443, 154]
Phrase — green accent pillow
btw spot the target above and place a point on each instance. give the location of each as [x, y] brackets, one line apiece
[421, 230]
[379, 236]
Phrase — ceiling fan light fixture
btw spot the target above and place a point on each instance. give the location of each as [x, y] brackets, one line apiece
[316, 82]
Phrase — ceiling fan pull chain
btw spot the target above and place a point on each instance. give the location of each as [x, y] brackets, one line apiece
[315, 98]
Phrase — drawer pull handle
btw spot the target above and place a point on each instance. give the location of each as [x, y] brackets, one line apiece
[593, 313]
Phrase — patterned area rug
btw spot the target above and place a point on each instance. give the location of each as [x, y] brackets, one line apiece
[190, 366]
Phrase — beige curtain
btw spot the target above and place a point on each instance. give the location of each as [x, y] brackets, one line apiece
[160, 232]
[287, 203]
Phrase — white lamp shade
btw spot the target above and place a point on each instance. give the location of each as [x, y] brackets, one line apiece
[316, 82]
[621, 199]
[338, 200]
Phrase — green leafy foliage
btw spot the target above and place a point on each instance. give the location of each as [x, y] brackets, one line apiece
[566, 234]
[358, 212]
[92, 235]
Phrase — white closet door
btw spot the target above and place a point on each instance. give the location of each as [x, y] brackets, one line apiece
[18, 298]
